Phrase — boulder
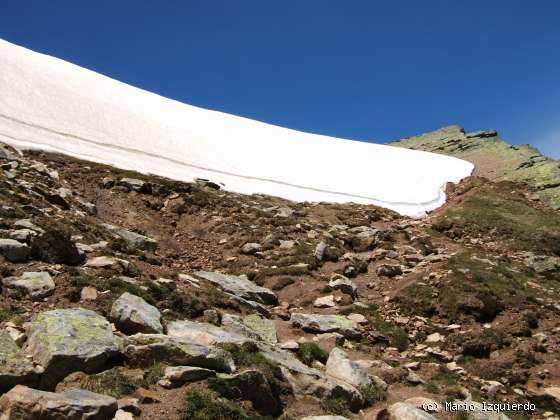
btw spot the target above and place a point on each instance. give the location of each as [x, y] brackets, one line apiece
[14, 251]
[134, 241]
[70, 340]
[250, 385]
[326, 323]
[145, 349]
[239, 286]
[25, 403]
[344, 284]
[341, 367]
[204, 334]
[176, 376]
[55, 247]
[252, 326]
[36, 285]
[15, 367]
[132, 314]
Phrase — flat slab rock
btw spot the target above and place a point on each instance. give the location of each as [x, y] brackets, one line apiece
[145, 349]
[204, 334]
[15, 367]
[36, 285]
[341, 367]
[326, 324]
[23, 403]
[240, 286]
[132, 314]
[70, 340]
[133, 240]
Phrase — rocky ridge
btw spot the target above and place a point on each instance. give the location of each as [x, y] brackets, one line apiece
[493, 158]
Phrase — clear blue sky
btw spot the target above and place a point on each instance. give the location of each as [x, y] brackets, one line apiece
[365, 70]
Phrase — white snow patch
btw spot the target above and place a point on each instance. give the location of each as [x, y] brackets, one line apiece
[53, 105]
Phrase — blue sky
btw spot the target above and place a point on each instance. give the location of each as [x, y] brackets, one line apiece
[364, 70]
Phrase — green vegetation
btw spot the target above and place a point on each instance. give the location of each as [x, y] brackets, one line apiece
[308, 352]
[497, 211]
[476, 287]
[116, 383]
[396, 336]
[203, 405]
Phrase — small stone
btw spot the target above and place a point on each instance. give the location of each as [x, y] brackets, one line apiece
[123, 415]
[357, 318]
[250, 248]
[88, 293]
[146, 396]
[290, 345]
[324, 302]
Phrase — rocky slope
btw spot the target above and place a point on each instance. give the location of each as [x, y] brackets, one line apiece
[493, 158]
[128, 296]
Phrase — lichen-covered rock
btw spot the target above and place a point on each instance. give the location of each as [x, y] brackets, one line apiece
[132, 314]
[205, 334]
[15, 367]
[14, 251]
[250, 385]
[252, 326]
[23, 403]
[145, 349]
[134, 241]
[240, 286]
[70, 340]
[35, 284]
[341, 367]
[325, 324]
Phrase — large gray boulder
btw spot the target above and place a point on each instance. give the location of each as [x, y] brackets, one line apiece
[145, 349]
[14, 251]
[325, 324]
[132, 314]
[36, 285]
[23, 403]
[70, 340]
[305, 380]
[240, 286]
[15, 367]
[134, 241]
[204, 334]
[341, 367]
